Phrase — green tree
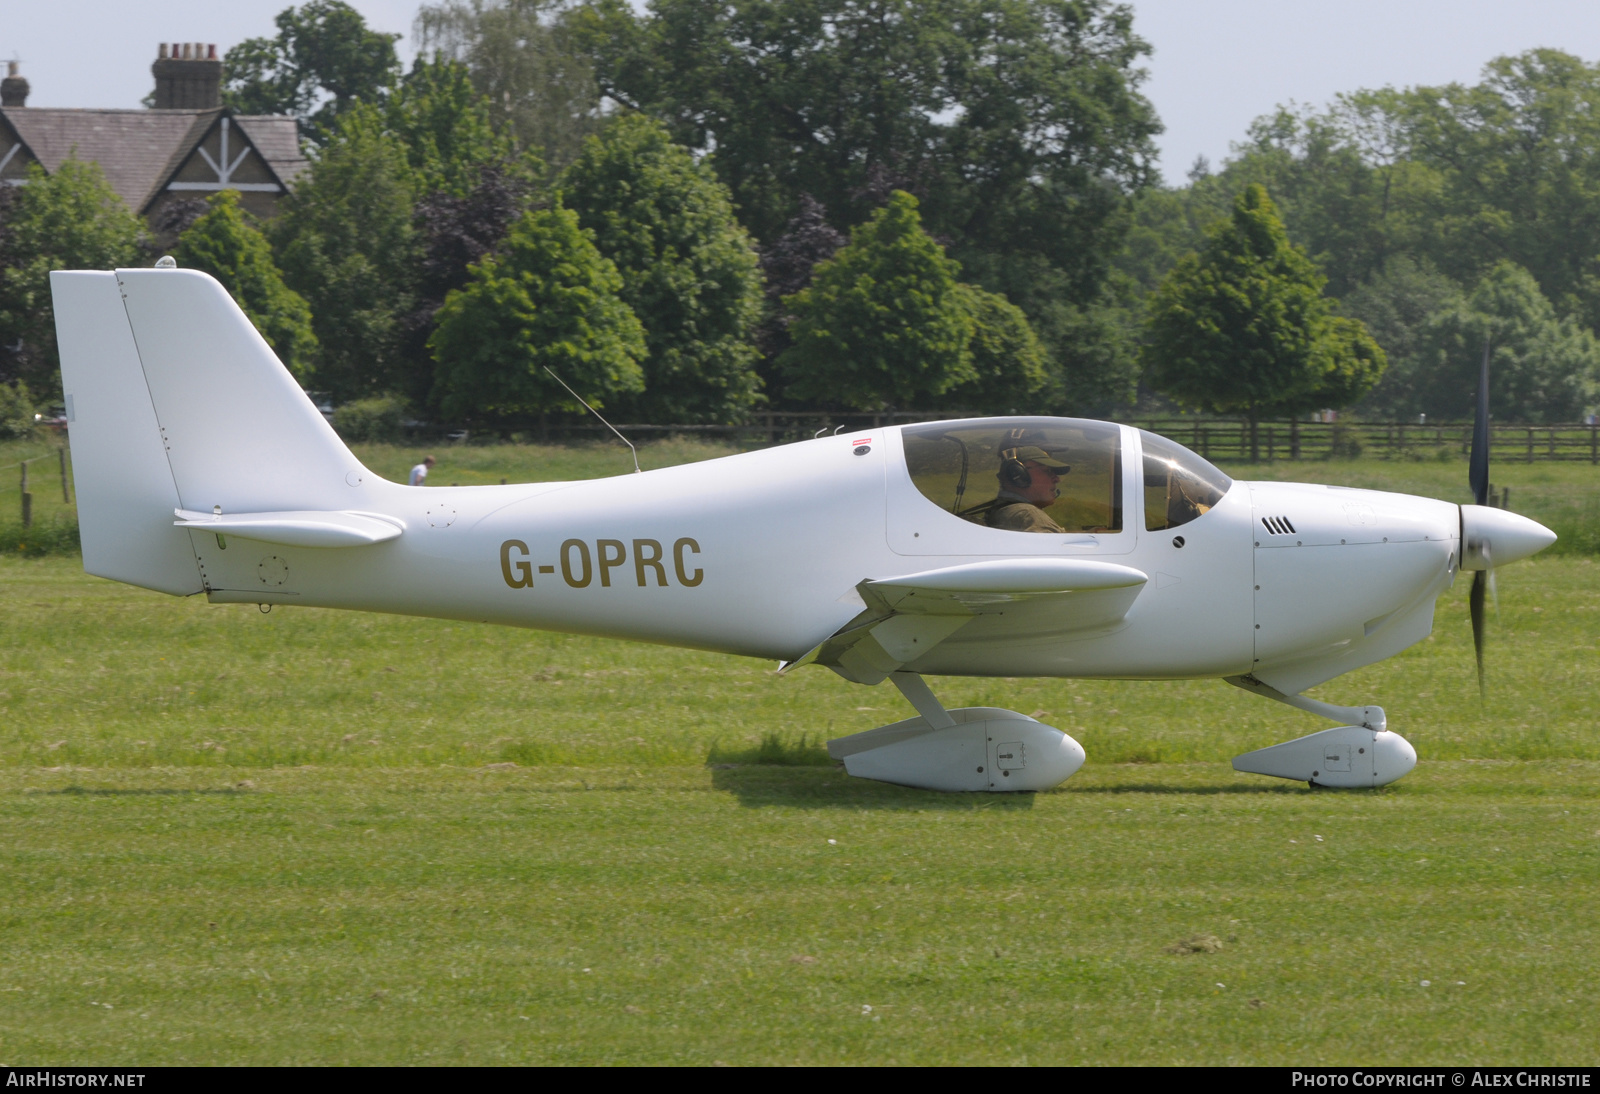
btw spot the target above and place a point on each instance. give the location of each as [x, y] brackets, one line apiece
[1243, 327]
[1403, 306]
[689, 272]
[1018, 124]
[1517, 158]
[883, 321]
[1010, 373]
[225, 246]
[445, 125]
[547, 299]
[1543, 368]
[71, 220]
[323, 60]
[1459, 177]
[523, 58]
[16, 411]
[347, 245]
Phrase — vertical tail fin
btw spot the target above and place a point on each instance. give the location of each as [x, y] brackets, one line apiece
[238, 430]
[175, 401]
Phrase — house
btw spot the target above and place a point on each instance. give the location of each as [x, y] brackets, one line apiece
[187, 146]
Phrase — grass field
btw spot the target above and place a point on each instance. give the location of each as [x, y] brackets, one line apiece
[319, 837]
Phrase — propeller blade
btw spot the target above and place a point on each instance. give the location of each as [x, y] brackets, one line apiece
[1478, 468]
[1480, 583]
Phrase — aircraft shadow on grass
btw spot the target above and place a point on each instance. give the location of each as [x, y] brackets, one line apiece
[760, 785]
[826, 787]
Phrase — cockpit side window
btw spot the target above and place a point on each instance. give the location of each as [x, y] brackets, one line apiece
[1178, 485]
[1021, 474]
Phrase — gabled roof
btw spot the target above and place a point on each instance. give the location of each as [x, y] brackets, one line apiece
[140, 151]
[277, 138]
[132, 147]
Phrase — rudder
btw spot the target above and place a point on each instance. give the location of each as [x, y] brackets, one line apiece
[125, 490]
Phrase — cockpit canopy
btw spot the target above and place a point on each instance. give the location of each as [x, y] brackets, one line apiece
[974, 469]
[970, 468]
[1178, 485]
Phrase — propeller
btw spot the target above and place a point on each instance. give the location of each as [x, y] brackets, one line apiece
[1490, 537]
[1478, 477]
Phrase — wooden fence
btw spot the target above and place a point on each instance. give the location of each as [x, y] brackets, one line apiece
[1220, 439]
[1230, 440]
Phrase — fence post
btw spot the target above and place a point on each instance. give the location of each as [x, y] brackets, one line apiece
[1594, 448]
[62, 452]
[1272, 445]
[1530, 447]
[27, 498]
[1294, 438]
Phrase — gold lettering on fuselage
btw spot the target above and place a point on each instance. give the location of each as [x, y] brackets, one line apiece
[566, 563]
[647, 553]
[579, 565]
[609, 561]
[519, 574]
[677, 561]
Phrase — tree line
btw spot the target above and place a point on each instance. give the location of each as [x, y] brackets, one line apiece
[696, 210]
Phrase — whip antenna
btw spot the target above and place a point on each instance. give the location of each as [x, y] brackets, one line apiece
[637, 470]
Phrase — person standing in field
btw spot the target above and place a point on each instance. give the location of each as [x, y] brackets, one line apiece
[419, 473]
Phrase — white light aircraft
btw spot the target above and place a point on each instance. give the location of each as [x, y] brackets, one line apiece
[984, 547]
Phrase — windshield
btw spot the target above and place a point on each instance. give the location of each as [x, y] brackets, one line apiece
[1178, 485]
[1021, 474]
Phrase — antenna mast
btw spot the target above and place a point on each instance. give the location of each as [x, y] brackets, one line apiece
[637, 470]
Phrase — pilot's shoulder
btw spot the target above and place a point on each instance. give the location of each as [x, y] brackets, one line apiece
[1022, 516]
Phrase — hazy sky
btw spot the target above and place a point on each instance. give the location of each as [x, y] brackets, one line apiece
[1217, 63]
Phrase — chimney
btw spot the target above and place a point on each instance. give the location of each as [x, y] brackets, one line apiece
[14, 88]
[188, 76]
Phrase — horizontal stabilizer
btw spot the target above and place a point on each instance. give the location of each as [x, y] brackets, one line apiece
[297, 529]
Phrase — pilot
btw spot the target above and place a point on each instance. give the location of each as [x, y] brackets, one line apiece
[1030, 482]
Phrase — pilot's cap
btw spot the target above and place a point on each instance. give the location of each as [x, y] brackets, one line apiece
[1035, 454]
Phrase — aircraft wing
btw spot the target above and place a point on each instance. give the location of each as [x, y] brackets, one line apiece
[905, 617]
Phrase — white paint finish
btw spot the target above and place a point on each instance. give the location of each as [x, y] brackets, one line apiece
[1319, 598]
[1293, 674]
[1494, 537]
[240, 432]
[125, 490]
[965, 756]
[303, 529]
[1332, 516]
[976, 584]
[1345, 757]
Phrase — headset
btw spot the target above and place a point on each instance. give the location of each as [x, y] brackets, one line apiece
[1013, 472]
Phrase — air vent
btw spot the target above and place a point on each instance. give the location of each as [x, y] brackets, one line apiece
[1278, 526]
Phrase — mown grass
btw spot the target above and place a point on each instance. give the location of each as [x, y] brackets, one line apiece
[792, 915]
